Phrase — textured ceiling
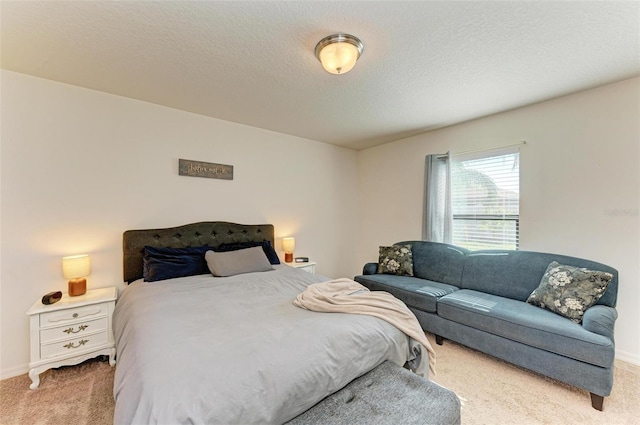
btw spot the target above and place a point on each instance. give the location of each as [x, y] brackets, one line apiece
[425, 64]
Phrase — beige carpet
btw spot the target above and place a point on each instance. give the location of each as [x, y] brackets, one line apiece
[495, 392]
[492, 392]
[78, 395]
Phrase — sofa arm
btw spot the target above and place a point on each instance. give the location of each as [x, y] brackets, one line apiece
[600, 319]
[370, 268]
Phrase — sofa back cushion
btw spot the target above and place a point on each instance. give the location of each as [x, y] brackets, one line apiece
[515, 274]
[438, 262]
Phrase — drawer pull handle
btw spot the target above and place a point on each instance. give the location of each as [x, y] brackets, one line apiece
[80, 344]
[80, 329]
[83, 313]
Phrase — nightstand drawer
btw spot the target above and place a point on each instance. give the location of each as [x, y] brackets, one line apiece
[307, 266]
[72, 314]
[73, 330]
[309, 269]
[71, 346]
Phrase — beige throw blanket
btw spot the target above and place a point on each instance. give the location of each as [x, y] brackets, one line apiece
[347, 296]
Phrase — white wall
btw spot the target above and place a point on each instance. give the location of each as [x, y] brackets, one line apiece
[580, 185]
[79, 167]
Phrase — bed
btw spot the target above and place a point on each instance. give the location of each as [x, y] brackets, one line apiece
[233, 350]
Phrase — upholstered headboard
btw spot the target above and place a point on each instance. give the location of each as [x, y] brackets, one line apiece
[212, 233]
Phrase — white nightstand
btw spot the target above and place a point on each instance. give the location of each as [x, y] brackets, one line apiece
[71, 331]
[309, 266]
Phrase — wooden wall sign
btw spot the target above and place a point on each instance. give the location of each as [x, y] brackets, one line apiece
[209, 170]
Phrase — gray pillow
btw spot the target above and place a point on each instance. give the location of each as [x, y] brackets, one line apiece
[223, 264]
[396, 259]
[569, 291]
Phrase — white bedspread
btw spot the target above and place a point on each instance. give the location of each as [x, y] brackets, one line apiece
[236, 350]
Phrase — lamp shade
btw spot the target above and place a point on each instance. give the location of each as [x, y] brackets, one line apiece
[288, 244]
[338, 53]
[76, 266]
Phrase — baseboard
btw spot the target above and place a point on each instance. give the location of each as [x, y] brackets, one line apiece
[628, 357]
[14, 371]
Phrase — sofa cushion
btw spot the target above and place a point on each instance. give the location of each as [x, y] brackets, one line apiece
[414, 292]
[527, 324]
[396, 259]
[569, 291]
[515, 274]
[438, 262]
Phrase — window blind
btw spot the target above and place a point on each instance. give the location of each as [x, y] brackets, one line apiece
[485, 196]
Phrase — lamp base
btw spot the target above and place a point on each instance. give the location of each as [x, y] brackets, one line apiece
[77, 287]
[288, 257]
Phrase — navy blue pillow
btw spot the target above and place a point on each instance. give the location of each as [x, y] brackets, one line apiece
[266, 247]
[169, 263]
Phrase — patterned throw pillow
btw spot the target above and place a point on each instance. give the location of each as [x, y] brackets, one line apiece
[569, 291]
[396, 259]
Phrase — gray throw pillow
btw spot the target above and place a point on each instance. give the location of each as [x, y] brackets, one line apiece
[396, 259]
[569, 291]
[223, 264]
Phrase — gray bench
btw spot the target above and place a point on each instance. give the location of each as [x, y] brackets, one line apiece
[389, 394]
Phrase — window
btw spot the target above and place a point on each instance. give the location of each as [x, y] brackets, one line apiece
[485, 195]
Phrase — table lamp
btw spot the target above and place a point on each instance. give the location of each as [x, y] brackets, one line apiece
[288, 245]
[75, 268]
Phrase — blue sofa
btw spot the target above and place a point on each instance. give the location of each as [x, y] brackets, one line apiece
[478, 299]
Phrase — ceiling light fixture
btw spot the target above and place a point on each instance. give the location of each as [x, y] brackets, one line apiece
[338, 53]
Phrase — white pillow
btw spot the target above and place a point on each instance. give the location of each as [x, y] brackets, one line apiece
[230, 263]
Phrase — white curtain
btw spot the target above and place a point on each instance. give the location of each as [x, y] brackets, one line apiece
[437, 219]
